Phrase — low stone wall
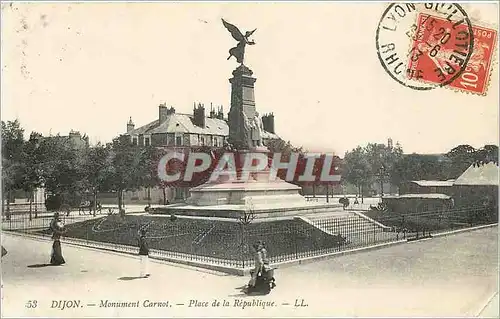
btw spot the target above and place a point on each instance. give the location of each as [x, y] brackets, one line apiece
[238, 211]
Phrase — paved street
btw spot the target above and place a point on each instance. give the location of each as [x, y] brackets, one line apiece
[449, 276]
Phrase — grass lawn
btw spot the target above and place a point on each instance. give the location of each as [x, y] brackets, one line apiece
[219, 239]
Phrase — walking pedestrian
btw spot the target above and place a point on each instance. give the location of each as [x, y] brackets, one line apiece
[143, 253]
[57, 227]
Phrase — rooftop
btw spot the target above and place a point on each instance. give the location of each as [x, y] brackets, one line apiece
[183, 123]
[485, 175]
[420, 196]
[447, 183]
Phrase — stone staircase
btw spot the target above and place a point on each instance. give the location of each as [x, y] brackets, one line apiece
[355, 226]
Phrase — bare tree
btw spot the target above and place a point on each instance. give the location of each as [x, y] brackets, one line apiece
[245, 219]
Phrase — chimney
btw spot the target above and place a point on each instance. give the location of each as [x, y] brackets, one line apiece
[212, 111]
[130, 125]
[162, 113]
[199, 115]
[268, 122]
[220, 113]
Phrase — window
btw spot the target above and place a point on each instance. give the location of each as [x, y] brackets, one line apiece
[134, 141]
[146, 141]
[178, 141]
[216, 141]
[202, 140]
[179, 193]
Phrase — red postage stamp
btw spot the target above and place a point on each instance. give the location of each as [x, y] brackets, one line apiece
[433, 48]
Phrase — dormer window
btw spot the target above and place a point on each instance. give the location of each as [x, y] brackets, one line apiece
[178, 139]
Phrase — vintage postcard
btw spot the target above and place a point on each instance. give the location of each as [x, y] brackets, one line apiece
[249, 159]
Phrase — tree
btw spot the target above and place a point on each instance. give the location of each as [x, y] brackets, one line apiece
[32, 160]
[357, 170]
[97, 169]
[12, 156]
[286, 149]
[486, 154]
[382, 159]
[62, 168]
[149, 160]
[126, 173]
[461, 158]
[373, 162]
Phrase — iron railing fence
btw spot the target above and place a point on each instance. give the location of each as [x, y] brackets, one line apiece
[229, 243]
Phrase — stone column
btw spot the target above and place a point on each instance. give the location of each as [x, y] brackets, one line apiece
[242, 102]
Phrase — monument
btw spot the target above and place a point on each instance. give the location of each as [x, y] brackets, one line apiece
[266, 197]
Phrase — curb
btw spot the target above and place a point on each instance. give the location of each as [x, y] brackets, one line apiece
[464, 230]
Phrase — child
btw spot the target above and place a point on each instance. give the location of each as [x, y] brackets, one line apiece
[143, 253]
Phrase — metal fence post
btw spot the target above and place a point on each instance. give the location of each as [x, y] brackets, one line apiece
[374, 233]
[295, 234]
[242, 246]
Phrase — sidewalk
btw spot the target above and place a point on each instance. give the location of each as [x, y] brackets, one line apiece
[448, 276]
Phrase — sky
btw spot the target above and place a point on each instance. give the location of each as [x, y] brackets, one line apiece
[91, 66]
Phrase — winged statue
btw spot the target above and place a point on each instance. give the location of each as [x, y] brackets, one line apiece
[239, 50]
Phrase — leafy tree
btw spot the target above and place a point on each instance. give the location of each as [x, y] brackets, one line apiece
[96, 170]
[373, 162]
[418, 167]
[150, 158]
[12, 156]
[357, 170]
[486, 154]
[126, 173]
[382, 159]
[461, 158]
[31, 163]
[62, 168]
[286, 149]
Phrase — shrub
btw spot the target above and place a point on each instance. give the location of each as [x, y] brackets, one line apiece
[53, 202]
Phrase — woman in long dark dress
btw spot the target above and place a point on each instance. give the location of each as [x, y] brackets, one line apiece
[143, 253]
[58, 230]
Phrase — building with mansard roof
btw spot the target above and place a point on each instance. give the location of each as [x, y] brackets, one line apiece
[172, 129]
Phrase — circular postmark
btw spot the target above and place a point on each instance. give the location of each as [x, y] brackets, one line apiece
[424, 45]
